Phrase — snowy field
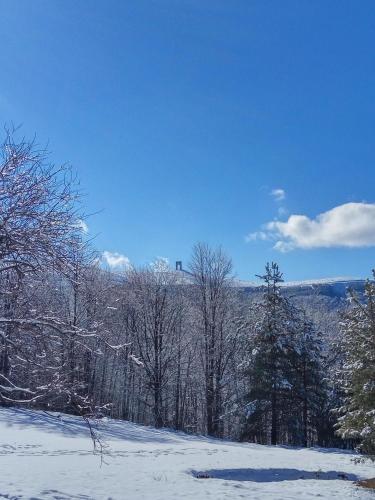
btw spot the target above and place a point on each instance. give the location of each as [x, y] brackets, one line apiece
[44, 457]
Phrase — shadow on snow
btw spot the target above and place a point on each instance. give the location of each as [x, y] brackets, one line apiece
[271, 475]
[74, 426]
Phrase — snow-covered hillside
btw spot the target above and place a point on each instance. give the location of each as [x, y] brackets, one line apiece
[45, 457]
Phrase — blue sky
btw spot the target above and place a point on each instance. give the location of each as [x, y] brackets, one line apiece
[182, 116]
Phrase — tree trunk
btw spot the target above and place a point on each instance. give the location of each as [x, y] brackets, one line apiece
[274, 422]
[304, 406]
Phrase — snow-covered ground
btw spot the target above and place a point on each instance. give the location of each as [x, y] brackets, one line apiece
[44, 457]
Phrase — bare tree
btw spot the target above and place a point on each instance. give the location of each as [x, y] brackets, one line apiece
[40, 231]
[156, 328]
[211, 271]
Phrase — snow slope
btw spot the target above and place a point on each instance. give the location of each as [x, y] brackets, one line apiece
[45, 457]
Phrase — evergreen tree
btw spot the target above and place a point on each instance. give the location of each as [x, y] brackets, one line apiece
[269, 366]
[309, 387]
[283, 368]
[357, 419]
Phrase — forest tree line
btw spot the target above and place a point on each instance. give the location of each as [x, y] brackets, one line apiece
[154, 345]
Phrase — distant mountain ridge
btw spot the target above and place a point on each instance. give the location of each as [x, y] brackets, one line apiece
[331, 287]
[336, 287]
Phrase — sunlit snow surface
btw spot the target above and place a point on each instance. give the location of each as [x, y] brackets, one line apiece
[44, 457]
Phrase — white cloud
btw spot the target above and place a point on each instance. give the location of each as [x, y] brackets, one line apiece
[116, 260]
[278, 194]
[350, 225]
[81, 224]
[258, 235]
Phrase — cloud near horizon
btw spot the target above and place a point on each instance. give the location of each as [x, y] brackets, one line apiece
[116, 260]
[351, 225]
